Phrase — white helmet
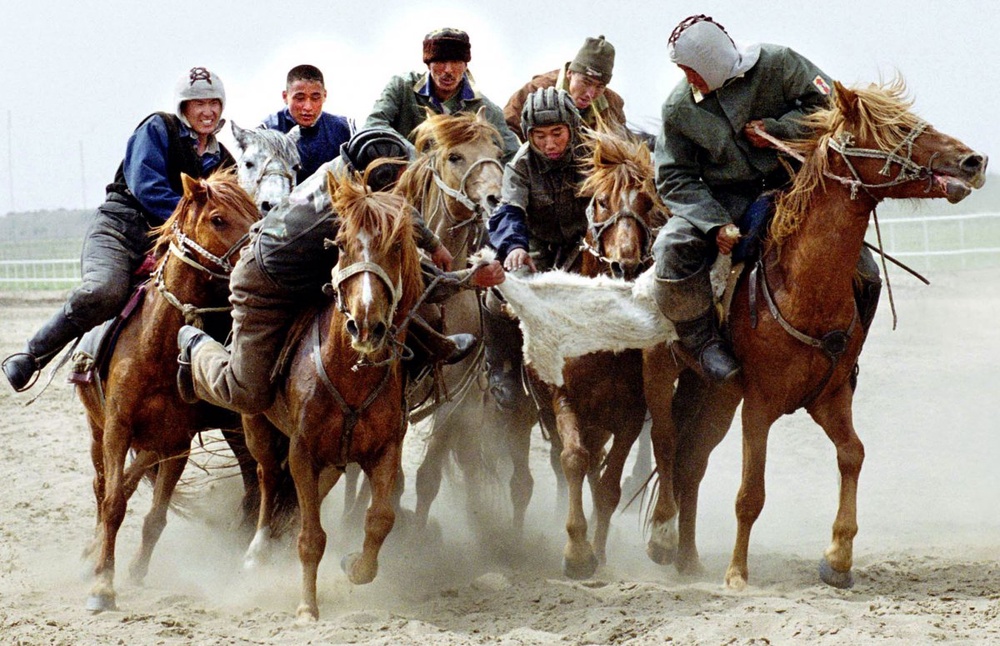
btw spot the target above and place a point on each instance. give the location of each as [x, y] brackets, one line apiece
[198, 83]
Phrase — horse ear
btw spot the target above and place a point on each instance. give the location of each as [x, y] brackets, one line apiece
[240, 134]
[846, 100]
[294, 135]
[481, 115]
[194, 189]
[331, 184]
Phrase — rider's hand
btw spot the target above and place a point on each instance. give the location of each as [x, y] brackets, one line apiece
[518, 258]
[726, 238]
[750, 132]
[488, 275]
[442, 258]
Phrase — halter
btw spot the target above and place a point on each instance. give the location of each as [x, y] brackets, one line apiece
[461, 195]
[179, 246]
[395, 289]
[274, 167]
[597, 229]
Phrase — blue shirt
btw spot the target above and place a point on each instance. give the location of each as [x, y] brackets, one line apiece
[145, 166]
[319, 143]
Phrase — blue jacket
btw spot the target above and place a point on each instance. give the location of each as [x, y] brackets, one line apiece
[146, 167]
[319, 143]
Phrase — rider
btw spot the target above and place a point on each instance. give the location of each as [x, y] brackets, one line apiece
[144, 193]
[284, 268]
[446, 88]
[711, 167]
[586, 79]
[321, 134]
[541, 218]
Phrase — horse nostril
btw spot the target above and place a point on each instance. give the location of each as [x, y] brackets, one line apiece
[617, 270]
[352, 328]
[973, 163]
[265, 207]
[493, 201]
[378, 331]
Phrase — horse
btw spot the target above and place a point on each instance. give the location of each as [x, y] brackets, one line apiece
[602, 396]
[455, 184]
[794, 321]
[137, 406]
[343, 399]
[267, 164]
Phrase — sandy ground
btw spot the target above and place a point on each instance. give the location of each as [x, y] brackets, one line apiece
[926, 555]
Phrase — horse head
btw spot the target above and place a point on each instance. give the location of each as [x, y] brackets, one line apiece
[461, 154]
[377, 278]
[267, 164]
[210, 224]
[625, 210]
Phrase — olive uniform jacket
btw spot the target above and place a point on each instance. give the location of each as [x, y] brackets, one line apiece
[707, 171]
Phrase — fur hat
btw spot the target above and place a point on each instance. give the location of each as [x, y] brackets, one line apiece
[595, 59]
[447, 45]
[198, 83]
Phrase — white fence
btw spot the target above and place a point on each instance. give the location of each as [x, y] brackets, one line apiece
[926, 242]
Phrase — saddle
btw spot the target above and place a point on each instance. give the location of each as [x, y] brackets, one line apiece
[93, 354]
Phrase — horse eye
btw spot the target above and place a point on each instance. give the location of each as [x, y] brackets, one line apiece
[249, 165]
[218, 221]
[602, 202]
[455, 158]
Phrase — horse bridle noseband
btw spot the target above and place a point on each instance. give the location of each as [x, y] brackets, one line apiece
[597, 229]
[461, 195]
[272, 167]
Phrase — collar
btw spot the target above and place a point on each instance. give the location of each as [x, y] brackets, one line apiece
[212, 147]
[466, 91]
[699, 97]
[598, 105]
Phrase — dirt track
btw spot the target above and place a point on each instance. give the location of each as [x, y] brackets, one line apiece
[926, 554]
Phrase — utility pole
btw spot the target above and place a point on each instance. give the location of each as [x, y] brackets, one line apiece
[83, 180]
[10, 162]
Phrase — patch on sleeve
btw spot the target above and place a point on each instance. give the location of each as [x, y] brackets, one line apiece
[821, 85]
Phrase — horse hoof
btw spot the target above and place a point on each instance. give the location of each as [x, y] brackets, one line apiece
[348, 563]
[580, 570]
[97, 603]
[659, 554]
[835, 578]
[305, 615]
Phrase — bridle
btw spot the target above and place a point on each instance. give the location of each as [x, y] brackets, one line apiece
[273, 167]
[185, 249]
[461, 195]
[597, 229]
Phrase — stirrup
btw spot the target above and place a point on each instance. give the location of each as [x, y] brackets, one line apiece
[36, 371]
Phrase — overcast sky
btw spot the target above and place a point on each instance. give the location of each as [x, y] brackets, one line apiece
[77, 77]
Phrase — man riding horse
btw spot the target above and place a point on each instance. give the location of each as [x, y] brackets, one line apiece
[711, 166]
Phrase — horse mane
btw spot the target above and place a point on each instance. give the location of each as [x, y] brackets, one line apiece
[440, 132]
[617, 161]
[385, 216]
[879, 114]
[221, 188]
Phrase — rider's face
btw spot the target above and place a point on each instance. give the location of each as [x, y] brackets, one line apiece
[695, 80]
[584, 89]
[551, 141]
[203, 115]
[446, 76]
[305, 101]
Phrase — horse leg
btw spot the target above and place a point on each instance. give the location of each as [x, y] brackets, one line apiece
[312, 538]
[261, 438]
[703, 414]
[757, 421]
[641, 468]
[608, 492]
[362, 568]
[429, 473]
[522, 484]
[353, 499]
[168, 474]
[658, 375]
[112, 512]
[99, 484]
[579, 560]
[248, 472]
[835, 416]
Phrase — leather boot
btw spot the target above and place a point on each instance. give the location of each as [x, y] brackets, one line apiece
[22, 368]
[503, 340]
[687, 302]
[434, 347]
[188, 338]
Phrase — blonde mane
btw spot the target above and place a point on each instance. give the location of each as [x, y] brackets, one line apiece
[879, 116]
[615, 163]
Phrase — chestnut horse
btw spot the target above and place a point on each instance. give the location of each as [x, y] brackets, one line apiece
[137, 407]
[602, 396]
[455, 184]
[794, 321]
[343, 399]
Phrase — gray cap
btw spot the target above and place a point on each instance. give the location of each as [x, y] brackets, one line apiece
[548, 106]
[198, 83]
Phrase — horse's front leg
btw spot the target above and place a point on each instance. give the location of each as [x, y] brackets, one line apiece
[522, 484]
[579, 560]
[835, 416]
[659, 371]
[114, 447]
[757, 421]
[363, 567]
[312, 538]
[167, 475]
[609, 489]
[262, 442]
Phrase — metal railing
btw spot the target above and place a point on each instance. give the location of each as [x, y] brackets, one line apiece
[39, 274]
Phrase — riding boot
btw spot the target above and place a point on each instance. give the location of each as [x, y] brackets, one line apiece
[431, 346]
[687, 302]
[21, 368]
[503, 340]
[188, 338]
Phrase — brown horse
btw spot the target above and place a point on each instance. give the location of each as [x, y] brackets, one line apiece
[137, 407]
[343, 399]
[794, 321]
[455, 183]
[602, 397]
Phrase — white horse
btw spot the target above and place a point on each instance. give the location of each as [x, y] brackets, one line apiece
[267, 163]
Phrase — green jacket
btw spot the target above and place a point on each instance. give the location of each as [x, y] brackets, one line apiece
[707, 172]
[404, 100]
